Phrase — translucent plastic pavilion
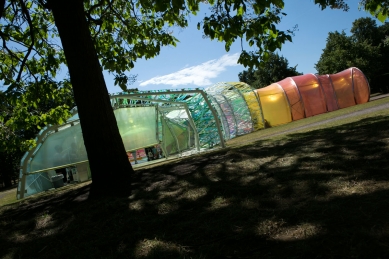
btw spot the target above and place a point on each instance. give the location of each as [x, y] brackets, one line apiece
[191, 119]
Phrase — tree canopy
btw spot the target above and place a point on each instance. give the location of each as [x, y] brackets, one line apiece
[273, 70]
[365, 48]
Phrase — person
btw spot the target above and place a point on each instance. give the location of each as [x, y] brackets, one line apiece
[58, 161]
[134, 156]
[158, 150]
[150, 154]
[155, 153]
[73, 158]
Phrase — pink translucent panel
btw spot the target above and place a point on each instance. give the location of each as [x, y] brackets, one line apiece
[275, 106]
[361, 86]
[329, 93]
[311, 93]
[296, 105]
[343, 86]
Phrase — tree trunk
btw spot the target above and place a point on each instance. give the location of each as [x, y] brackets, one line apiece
[109, 164]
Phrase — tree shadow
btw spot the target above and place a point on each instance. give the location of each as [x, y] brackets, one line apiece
[319, 194]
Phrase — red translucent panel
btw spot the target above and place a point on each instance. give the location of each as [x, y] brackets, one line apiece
[329, 93]
[308, 95]
[296, 104]
[343, 86]
[361, 86]
[311, 93]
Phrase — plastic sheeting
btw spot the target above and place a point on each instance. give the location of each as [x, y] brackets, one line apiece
[177, 138]
[294, 98]
[137, 126]
[308, 95]
[344, 88]
[329, 92]
[37, 183]
[275, 106]
[60, 149]
[361, 92]
[237, 107]
[232, 108]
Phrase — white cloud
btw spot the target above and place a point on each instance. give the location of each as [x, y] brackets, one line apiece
[199, 75]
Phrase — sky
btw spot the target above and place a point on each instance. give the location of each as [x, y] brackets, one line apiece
[199, 63]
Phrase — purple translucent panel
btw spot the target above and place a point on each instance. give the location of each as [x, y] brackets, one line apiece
[361, 86]
[296, 104]
[343, 86]
[311, 93]
[329, 93]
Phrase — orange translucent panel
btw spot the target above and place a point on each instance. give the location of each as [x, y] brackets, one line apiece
[296, 104]
[329, 93]
[275, 106]
[343, 86]
[311, 93]
[361, 86]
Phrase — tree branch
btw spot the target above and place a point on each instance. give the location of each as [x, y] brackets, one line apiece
[2, 8]
[28, 18]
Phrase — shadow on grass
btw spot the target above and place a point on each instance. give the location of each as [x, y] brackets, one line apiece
[320, 194]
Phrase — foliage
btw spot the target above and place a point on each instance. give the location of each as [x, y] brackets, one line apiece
[22, 114]
[378, 8]
[273, 70]
[365, 48]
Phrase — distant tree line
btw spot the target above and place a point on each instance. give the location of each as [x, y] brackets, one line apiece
[274, 69]
[366, 48]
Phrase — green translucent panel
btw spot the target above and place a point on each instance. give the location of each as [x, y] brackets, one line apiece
[181, 133]
[61, 148]
[176, 136]
[204, 121]
[37, 183]
[137, 126]
[169, 141]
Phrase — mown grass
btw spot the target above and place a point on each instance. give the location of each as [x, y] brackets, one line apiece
[8, 197]
[314, 193]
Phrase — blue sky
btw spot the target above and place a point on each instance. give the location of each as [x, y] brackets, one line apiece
[199, 63]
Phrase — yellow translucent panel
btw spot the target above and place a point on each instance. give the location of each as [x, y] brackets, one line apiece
[137, 126]
[275, 106]
[293, 95]
[361, 86]
[255, 110]
[343, 86]
[329, 93]
[311, 93]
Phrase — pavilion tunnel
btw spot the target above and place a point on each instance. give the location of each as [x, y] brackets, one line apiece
[191, 119]
[307, 95]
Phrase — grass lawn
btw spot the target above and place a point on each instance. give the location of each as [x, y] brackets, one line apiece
[318, 191]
